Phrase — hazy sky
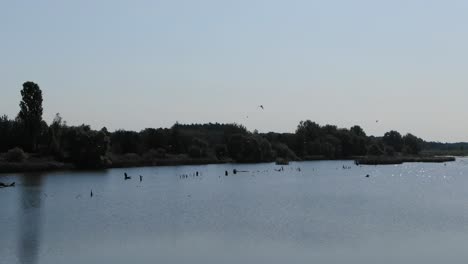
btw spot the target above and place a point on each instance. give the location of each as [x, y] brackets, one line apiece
[136, 64]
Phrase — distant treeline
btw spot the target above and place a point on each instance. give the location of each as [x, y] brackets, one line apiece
[438, 148]
[86, 147]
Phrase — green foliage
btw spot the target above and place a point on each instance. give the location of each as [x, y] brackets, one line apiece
[394, 140]
[357, 131]
[198, 148]
[154, 138]
[281, 150]
[195, 152]
[390, 151]
[55, 136]
[15, 155]
[87, 148]
[30, 113]
[221, 151]
[126, 142]
[375, 150]
[10, 134]
[412, 144]
[249, 148]
[153, 154]
[329, 141]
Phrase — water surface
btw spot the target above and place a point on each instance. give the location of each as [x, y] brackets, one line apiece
[410, 213]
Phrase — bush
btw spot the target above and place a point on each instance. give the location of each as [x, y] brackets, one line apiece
[195, 152]
[131, 156]
[152, 154]
[15, 155]
[412, 144]
[374, 150]
[221, 151]
[284, 152]
[87, 148]
[390, 151]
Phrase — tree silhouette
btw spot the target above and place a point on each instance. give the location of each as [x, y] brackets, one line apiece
[413, 144]
[210, 142]
[394, 140]
[30, 113]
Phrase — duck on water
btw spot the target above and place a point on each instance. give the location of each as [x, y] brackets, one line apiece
[3, 185]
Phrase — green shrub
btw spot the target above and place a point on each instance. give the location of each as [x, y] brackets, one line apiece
[15, 155]
[375, 150]
[152, 154]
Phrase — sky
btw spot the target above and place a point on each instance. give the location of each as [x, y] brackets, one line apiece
[138, 64]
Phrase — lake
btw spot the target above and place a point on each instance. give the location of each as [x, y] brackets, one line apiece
[310, 212]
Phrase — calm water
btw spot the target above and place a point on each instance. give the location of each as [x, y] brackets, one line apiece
[411, 213]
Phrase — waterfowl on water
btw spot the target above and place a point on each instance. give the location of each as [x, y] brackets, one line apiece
[3, 185]
[127, 177]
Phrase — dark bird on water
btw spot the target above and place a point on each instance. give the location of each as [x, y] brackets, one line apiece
[225, 173]
[141, 178]
[91, 194]
[261, 106]
[126, 177]
[2, 185]
[367, 176]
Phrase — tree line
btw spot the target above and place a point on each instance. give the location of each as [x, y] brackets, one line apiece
[86, 147]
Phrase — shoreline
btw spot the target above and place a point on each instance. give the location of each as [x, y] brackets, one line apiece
[51, 165]
[401, 160]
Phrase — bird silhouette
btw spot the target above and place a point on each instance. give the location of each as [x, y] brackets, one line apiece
[7, 185]
[261, 106]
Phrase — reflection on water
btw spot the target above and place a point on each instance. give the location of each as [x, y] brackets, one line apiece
[322, 213]
[30, 218]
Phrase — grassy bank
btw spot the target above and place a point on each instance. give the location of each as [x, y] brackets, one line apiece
[36, 164]
[386, 160]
